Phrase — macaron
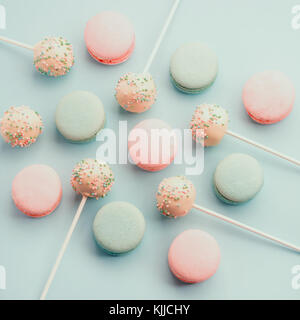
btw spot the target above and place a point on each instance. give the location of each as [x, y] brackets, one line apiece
[193, 67]
[92, 178]
[53, 56]
[109, 37]
[194, 256]
[269, 96]
[21, 126]
[119, 227]
[136, 92]
[238, 178]
[209, 124]
[80, 116]
[152, 145]
[175, 196]
[37, 190]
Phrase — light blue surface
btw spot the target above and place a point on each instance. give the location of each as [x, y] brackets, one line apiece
[247, 36]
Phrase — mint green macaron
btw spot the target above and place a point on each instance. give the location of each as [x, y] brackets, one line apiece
[119, 227]
[193, 67]
[238, 178]
[80, 116]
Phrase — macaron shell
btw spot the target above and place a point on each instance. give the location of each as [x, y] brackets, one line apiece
[222, 198]
[119, 227]
[194, 256]
[119, 60]
[80, 116]
[109, 37]
[37, 190]
[268, 97]
[189, 90]
[238, 178]
[193, 67]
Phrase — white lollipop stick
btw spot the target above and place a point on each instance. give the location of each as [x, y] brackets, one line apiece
[17, 43]
[63, 248]
[161, 36]
[248, 228]
[260, 146]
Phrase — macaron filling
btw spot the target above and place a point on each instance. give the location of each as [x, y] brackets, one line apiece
[114, 60]
[190, 90]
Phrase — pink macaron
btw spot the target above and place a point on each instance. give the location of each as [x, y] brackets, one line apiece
[152, 145]
[109, 37]
[37, 190]
[194, 256]
[268, 96]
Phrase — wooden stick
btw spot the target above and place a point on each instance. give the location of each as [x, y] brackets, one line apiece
[63, 248]
[17, 43]
[161, 36]
[260, 146]
[246, 227]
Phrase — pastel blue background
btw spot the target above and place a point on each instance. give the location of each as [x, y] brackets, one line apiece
[248, 36]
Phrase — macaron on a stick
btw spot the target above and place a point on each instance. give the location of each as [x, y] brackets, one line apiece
[21, 126]
[91, 178]
[53, 56]
[209, 124]
[175, 198]
[136, 92]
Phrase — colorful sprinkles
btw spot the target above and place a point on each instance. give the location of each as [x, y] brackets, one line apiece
[136, 92]
[20, 126]
[92, 178]
[207, 116]
[173, 194]
[53, 56]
